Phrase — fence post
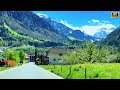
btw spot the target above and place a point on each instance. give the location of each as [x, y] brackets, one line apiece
[70, 69]
[85, 73]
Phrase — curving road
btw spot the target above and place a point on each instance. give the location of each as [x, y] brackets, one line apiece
[28, 71]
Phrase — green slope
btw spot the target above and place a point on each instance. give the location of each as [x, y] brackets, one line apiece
[18, 35]
[72, 38]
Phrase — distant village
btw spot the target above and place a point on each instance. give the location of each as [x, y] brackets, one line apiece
[53, 56]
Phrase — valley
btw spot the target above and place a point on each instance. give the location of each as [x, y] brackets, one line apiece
[27, 37]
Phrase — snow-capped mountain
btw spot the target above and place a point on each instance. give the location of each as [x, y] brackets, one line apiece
[80, 35]
[62, 29]
[103, 32]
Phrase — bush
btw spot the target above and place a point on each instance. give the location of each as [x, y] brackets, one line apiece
[24, 62]
[22, 55]
[52, 71]
[12, 55]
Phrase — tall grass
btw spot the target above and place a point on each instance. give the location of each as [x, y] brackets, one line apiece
[93, 71]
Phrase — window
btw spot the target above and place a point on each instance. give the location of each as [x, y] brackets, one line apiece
[60, 54]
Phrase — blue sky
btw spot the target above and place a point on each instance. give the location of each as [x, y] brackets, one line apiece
[88, 21]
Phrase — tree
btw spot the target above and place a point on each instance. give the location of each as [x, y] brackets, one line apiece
[118, 58]
[9, 54]
[22, 55]
[82, 55]
[71, 58]
[16, 56]
[103, 54]
[89, 49]
[12, 55]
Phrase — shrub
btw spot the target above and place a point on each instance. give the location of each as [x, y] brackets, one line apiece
[52, 70]
[22, 55]
[24, 62]
[12, 55]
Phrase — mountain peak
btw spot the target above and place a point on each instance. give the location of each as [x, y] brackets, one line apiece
[103, 32]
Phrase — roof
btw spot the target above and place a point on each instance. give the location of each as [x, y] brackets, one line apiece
[27, 56]
[60, 50]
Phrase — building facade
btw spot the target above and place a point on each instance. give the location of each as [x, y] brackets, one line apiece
[56, 55]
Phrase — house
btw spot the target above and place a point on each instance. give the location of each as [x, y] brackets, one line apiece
[27, 57]
[56, 55]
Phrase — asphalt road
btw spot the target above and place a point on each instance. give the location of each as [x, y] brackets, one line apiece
[28, 71]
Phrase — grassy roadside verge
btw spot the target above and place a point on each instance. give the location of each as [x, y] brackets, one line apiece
[4, 68]
[93, 71]
[17, 65]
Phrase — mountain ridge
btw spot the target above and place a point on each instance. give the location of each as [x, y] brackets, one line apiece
[63, 29]
[113, 39]
[29, 24]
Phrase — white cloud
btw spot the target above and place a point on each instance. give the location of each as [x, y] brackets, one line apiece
[42, 15]
[89, 21]
[95, 21]
[69, 25]
[92, 29]
[88, 29]
[105, 21]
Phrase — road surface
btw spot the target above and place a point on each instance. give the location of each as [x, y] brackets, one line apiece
[28, 71]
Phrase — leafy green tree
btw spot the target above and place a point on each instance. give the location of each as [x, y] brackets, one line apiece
[12, 55]
[105, 52]
[71, 58]
[89, 49]
[102, 55]
[16, 56]
[82, 55]
[22, 55]
[9, 54]
[96, 55]
[118, 58]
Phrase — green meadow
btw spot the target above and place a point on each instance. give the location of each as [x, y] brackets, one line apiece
[93, 71]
